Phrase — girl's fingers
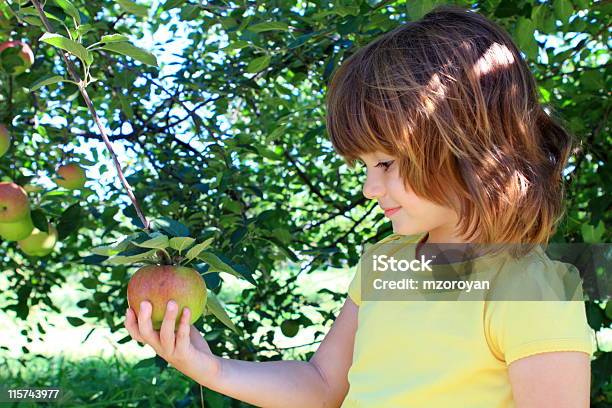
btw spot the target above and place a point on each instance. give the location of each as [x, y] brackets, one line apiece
[182, 335]
[131, 325]
[166, 333]
[145, 326]
[198, 341]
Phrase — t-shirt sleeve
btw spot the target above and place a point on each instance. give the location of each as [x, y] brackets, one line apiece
[354, 290]
[517, 329]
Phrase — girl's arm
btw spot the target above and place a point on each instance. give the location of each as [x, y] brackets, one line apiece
[553, 379]
[320, 382]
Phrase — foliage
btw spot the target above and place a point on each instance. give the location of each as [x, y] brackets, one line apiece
[228, 137]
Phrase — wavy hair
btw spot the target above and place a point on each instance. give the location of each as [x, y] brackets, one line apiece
[451, 97]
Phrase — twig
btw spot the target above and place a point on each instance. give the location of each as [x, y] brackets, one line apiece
[75, 76]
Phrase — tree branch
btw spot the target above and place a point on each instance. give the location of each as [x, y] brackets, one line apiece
[75, 76]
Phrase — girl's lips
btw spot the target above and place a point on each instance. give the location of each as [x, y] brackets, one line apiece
[391, 211]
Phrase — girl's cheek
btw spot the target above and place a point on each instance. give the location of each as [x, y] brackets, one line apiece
[399, 189]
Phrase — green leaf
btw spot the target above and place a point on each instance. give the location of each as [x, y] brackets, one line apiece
[93, 259]
[147, 362]
[592, 234]
[140, 10]
[344, 11]
[232, 206]
[170, 4]
[258, 64]
[181, 243]
[170, 227]
[89, 283]
[159, 242]
[216, 264]
[33, 20]
[563, 9]
[84, 29]
[39, 219]
[189, 12]
[197, 249]
[114, 38]
[236, 45]
[104, 250]
[69, 221]
[284, 248]
[268, 26]
[47, 80]
[215, 307]
[123, 244]
[525, 29]
[69, 45]
[69, 9]
[268, 154]
[75, 321]
[139, 54]
[32, 12]
[131, 259]
[418, 8]
[125, 106]
[290, 328]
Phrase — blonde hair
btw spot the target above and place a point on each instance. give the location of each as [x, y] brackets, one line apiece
[452, 98]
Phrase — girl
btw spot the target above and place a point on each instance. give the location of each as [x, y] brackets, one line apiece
[443, 113]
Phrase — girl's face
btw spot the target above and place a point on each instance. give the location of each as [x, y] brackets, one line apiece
[408, 213]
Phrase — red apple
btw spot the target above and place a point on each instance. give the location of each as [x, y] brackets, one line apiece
[5, 139]
[25, 53]
[72, 176]
[160, 283]
[14, 202]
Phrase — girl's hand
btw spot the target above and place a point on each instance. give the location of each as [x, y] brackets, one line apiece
[186, 350]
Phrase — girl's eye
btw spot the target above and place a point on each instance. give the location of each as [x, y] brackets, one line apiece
[385, 165]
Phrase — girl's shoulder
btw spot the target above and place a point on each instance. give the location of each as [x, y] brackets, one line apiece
[394, 238]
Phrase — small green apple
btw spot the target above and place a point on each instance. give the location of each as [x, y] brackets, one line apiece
[14, 231]
[39, 243]
[5, 140]
[72, 176]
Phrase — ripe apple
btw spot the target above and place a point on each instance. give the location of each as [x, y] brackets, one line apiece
[14, 231]
[25, 53]
[39, 243]
[160, 283]
[5, 139]
[14, 202]
[72, 176]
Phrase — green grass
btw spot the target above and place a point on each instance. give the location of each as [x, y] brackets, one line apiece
[113, 382]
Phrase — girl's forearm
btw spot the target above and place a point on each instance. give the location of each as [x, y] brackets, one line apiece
[270, 383]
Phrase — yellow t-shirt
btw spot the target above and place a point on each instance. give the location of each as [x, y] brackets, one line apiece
[456, 353]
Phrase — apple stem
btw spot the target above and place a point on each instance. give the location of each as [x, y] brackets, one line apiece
[82, 88]
[164, 256]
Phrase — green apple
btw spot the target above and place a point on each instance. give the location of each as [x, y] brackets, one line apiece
[71, 176]
[5, 140]
[39, 243]
[14, 231]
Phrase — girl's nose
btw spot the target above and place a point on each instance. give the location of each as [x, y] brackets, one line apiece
[373, 188]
